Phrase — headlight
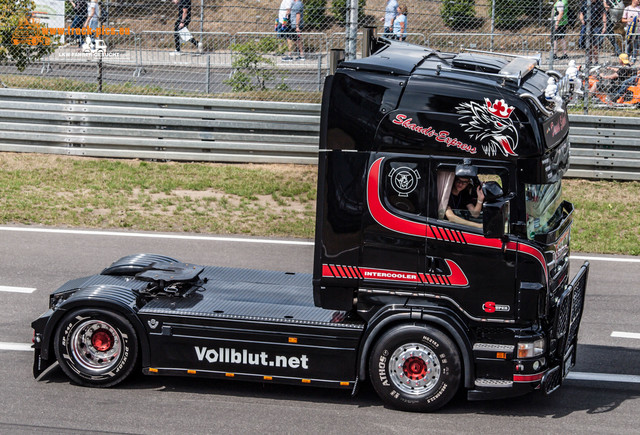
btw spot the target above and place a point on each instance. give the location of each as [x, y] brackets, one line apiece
[531, 349]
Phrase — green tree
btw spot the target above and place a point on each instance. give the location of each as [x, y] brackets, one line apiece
[508, 13]
[314, 13]
[460, 14]
[252, 69]
[339, 10]
[21, 40]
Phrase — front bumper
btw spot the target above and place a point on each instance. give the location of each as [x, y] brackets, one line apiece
[561, 357]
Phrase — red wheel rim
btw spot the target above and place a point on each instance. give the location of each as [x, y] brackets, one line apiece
[415, 368]
[102, 340]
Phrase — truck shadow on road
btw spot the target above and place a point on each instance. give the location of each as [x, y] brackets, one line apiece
[592, 397]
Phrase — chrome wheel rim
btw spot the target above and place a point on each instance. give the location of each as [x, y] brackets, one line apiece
[414, 369]
[95, 346]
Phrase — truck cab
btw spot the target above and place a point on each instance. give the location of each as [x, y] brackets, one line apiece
[399, 129]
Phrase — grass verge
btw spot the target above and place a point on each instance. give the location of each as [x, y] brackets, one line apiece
[260, 200]
[265, 200]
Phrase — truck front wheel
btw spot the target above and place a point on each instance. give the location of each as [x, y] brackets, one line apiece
[96, 347]
[415, 368]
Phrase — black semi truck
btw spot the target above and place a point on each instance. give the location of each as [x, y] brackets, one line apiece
[409, 292]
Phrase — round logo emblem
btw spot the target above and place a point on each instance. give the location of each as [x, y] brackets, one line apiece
[404, 180]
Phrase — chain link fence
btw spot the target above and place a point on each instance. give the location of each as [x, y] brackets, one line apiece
[232, 49]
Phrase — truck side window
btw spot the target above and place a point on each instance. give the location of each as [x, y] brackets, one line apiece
[460, 199]
[404, 187]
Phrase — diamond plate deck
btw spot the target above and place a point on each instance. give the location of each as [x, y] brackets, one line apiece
[256, 295]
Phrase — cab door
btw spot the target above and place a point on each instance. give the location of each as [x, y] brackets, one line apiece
[477, 273]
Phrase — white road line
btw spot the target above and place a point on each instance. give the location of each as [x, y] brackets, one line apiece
[5, 288]
[15, 346]
[233, 239]
[625, 334]
[157, 236]
[603, 377]
[593, 258]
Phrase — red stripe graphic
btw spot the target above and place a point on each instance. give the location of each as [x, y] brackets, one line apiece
[382, 216]
[352, 272]
[326, 271]
[347, 271]
[405, 226]
[456, 278]
[450, 235]
[456, 236]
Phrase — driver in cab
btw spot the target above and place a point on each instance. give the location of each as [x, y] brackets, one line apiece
[462, 198]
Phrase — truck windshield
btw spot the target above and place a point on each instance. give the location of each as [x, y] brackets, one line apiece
[543, 207]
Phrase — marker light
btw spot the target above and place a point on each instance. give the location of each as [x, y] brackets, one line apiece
[531, 349]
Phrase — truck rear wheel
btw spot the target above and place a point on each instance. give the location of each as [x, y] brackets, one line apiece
[415, 368]
[96, 347]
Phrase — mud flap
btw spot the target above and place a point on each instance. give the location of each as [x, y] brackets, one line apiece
[39, 364]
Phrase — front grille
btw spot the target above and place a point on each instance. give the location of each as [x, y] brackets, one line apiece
[569, 312]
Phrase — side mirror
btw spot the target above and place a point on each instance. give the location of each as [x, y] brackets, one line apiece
[492, 191]
[495, 216]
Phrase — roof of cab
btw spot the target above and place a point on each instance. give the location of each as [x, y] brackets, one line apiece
[393, 58]
[402, 58]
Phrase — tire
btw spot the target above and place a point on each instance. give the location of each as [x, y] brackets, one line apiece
[428, 378]
[95, 347]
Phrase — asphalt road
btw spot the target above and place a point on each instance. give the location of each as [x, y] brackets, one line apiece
[44, 260]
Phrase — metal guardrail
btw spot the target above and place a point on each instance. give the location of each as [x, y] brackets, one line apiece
[605, 147]
[200, 129]
[163, 128]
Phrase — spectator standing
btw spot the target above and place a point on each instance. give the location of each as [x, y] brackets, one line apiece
[561, 20]
[79, 18]
[283, 26]
[184, 18]
[93, 15]
[631, 19]
[297, 12]
[611, 23]
[400, 24]
[598, 23]
[390, 12]
[284, 13]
